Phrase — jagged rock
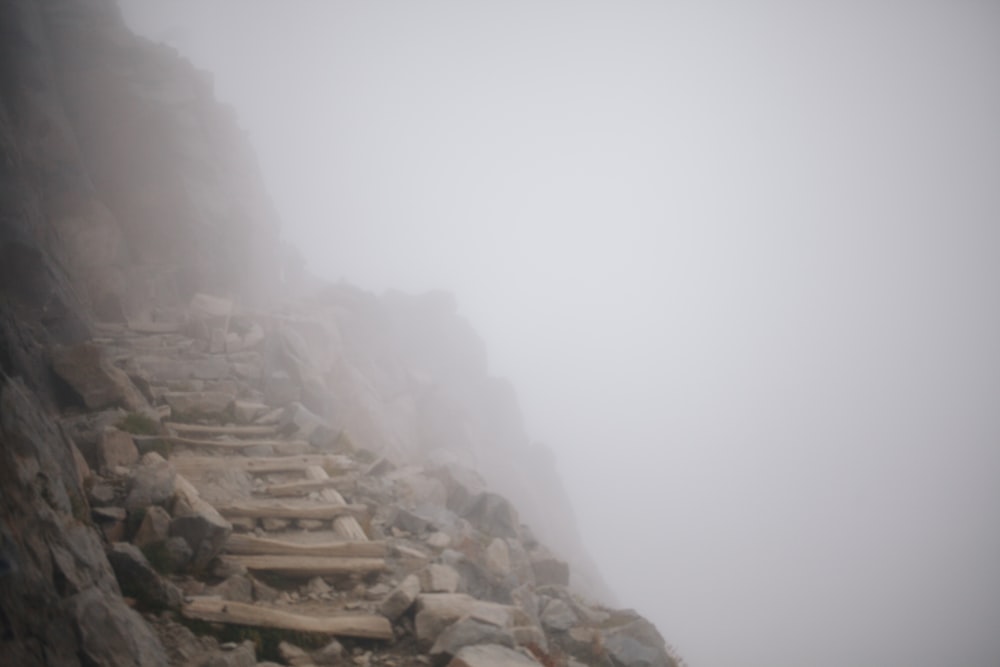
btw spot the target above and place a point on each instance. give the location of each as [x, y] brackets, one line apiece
[176, 553]
[636, 644]
[437, 578]
[115, 448]
[154, 528]
[85, 430]
[309, 426]
[245, 412]
[438, 540]
[462, 487]
[201, 526]
[310, 524]
[530, 635]
[264, 593]
[401, 598]
[331, 654]
[273, 524]
[98, 382]
[112, 635]
[558, 616]
[139, 580]
[491, 655]
[436, 611]
[153, 483]
[199, 403]
[101, 493]
[111, 521]
[294, 655]
[493, 514]
[413, 488]
[237, 588]
[317, 586]
[468, 631]
[497, 557]
[549, 570]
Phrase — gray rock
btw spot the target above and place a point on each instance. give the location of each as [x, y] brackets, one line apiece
[462, 486]
[139, 580]
[242, 655]
[152, 483]
[437, 578]
[436, 611]
[98, 382]
[491, 655]
[558, 616]
[309, 426]
[244, 412]
[494, 515]
[154, 529]
[497, 557]
[112, 635]
[549, 570]
[236, 588]
[115, 448]
[201, 526]
[331, 654]
[467, 632]
[637, 644]
[401, 598]
[272, 524]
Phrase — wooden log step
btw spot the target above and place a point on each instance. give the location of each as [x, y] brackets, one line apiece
[249, 545]
[264, 464]
[287, 446]
[309, 566]
[286, 510]
[346, 527]
[304, 488]
[236, 431]
[365, 626]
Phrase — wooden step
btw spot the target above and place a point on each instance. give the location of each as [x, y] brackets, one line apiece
[264, 464]
[235, 431]
[290, 447]
[287, 510]
[309, 566]
[366, 626]
[304, 488]
[346, 526]
[249, 545]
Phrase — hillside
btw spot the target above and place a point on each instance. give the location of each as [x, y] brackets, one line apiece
[210, 457]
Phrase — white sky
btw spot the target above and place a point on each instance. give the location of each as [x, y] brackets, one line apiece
[740, 259]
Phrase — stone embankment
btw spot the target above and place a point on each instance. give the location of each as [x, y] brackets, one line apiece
[244, 526]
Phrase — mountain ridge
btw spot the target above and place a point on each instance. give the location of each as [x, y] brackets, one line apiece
[143, 272]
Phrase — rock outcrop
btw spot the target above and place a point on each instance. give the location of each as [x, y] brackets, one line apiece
[207, 458]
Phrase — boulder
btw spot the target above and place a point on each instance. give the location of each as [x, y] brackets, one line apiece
[201, 526]
[558, 616]
[139, 580]
[497, 558]
[237, 588]
[493, 514]
[309, 426]
[436, 611]
[549, 570]
[111, 634]
[468, 631]
[401, 598]
[437, 578]
[94, 378]
[491, 655]
[152, 483]
[636, 644]
[115, 448]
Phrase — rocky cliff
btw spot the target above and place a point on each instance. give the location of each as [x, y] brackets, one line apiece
[209, 457]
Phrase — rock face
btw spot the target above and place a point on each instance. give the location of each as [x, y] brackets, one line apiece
[187, 422]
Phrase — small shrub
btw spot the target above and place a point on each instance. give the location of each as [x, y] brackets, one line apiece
[139, 424]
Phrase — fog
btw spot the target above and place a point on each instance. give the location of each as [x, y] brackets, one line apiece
[740, 260]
